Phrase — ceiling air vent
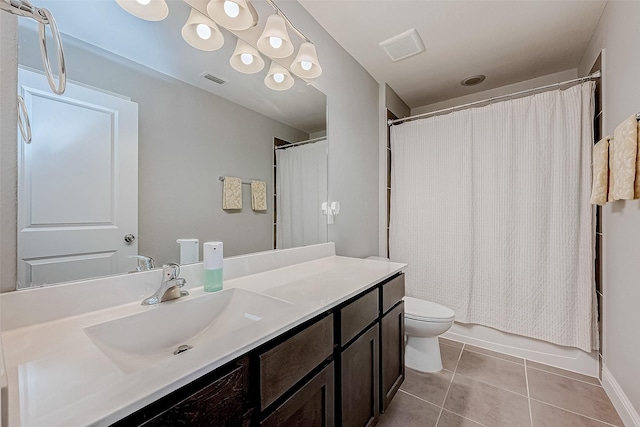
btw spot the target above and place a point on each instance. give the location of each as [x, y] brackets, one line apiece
[403, 45]
[213, 78]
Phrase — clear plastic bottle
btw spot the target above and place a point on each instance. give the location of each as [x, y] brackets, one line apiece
[212, 266]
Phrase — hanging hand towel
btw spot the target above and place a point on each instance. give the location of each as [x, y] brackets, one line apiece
[258, 195]
[623, 152]
[600, 172]
[231, 193]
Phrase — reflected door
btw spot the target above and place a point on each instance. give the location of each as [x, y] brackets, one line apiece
[77, 184]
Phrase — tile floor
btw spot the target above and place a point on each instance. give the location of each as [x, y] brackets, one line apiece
[479, 387]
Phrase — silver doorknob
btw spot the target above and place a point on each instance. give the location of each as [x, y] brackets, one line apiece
[129, 238]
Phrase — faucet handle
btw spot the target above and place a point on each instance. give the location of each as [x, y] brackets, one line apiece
[144, 262]
[170, 271]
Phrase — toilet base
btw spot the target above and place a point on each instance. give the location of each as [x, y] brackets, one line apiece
[423, 354]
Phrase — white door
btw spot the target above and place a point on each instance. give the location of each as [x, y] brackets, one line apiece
[77, 184]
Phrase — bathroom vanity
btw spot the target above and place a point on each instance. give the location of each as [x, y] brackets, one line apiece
[311, 336]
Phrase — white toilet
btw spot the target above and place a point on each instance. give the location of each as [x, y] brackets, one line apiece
[423, 322]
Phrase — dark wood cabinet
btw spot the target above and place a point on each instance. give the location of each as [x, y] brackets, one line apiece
[391, 354]
[360, 380]
[282, 366]
[311, 406]
[217, 400]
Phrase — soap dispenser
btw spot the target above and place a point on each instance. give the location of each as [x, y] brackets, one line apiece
[212, 264]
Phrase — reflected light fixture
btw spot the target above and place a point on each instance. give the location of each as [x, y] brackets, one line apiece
[149, 10]
[278, 77]
[306, 64]
[233, 14]
[201, 32]
[246, 58]
[275, 41]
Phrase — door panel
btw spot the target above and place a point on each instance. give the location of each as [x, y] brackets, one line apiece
[77, 184]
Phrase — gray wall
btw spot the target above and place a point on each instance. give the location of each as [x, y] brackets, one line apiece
[353, 134]
[187, 138]
[617, 33]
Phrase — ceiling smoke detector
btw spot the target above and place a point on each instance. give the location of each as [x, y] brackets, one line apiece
[403, 45]
[473, 80]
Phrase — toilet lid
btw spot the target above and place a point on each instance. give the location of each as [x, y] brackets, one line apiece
[420, 309]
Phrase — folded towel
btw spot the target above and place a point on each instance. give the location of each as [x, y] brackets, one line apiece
[600, 172]
[232, 193]
[623, 152]
[258, 195]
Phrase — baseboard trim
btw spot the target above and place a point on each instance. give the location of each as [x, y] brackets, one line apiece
[620, 401]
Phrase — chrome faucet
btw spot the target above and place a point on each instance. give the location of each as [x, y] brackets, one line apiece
[170, 286]
[145, 263]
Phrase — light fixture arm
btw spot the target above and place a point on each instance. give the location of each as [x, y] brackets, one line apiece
[281, 13]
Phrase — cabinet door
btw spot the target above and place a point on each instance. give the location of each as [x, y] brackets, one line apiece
[218, 404]
[392, 353]
[360, 380]
[311, 406]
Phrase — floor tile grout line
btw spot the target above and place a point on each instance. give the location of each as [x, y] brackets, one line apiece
[526, 377]
[462, 416]
[574, 412]
[496, 357]
[450, 383]
[564, 376]
[439, 415]
[421, 399]
[493, 385]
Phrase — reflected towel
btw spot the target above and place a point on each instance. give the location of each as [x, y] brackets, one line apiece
[258, 195]
[623, 152]
[600, 177]
[231, 193]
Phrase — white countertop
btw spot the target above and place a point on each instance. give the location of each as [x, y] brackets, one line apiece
[57, 376]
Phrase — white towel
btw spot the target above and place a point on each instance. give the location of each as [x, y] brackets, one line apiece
[623, 155]
[600, 178]
[258, 195]
[231, 193]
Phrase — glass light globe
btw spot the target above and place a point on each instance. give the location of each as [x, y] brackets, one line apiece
[144, 2]
[203, 31]
[278, 77]
[231, 9]
[275, 42]
[306, 65]
[246, 58]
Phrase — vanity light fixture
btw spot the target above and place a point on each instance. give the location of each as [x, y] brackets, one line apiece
[246, 58]
[275, 41]
[233, 14]
[149, 10]
[201, 32]
[306, 64]
[278, 77]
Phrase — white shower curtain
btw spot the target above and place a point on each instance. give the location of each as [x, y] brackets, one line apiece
[490, 208]
[301, 186]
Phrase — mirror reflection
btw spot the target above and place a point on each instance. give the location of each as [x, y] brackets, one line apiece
[127, 161]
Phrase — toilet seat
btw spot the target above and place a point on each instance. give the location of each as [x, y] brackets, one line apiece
[427, 311]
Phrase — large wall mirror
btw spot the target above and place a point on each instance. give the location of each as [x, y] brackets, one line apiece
[127, 161]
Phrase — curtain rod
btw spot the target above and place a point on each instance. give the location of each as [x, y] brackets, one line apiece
[308, 141]
[593, 76]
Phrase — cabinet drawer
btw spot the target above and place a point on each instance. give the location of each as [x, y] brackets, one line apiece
[356, 316]
[392, 292]
[287, 363]
[311, 406]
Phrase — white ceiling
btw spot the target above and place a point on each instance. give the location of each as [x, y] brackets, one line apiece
[508, 41]
[159, 45]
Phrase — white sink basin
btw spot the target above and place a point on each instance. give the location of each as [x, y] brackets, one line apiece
[139, 340]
